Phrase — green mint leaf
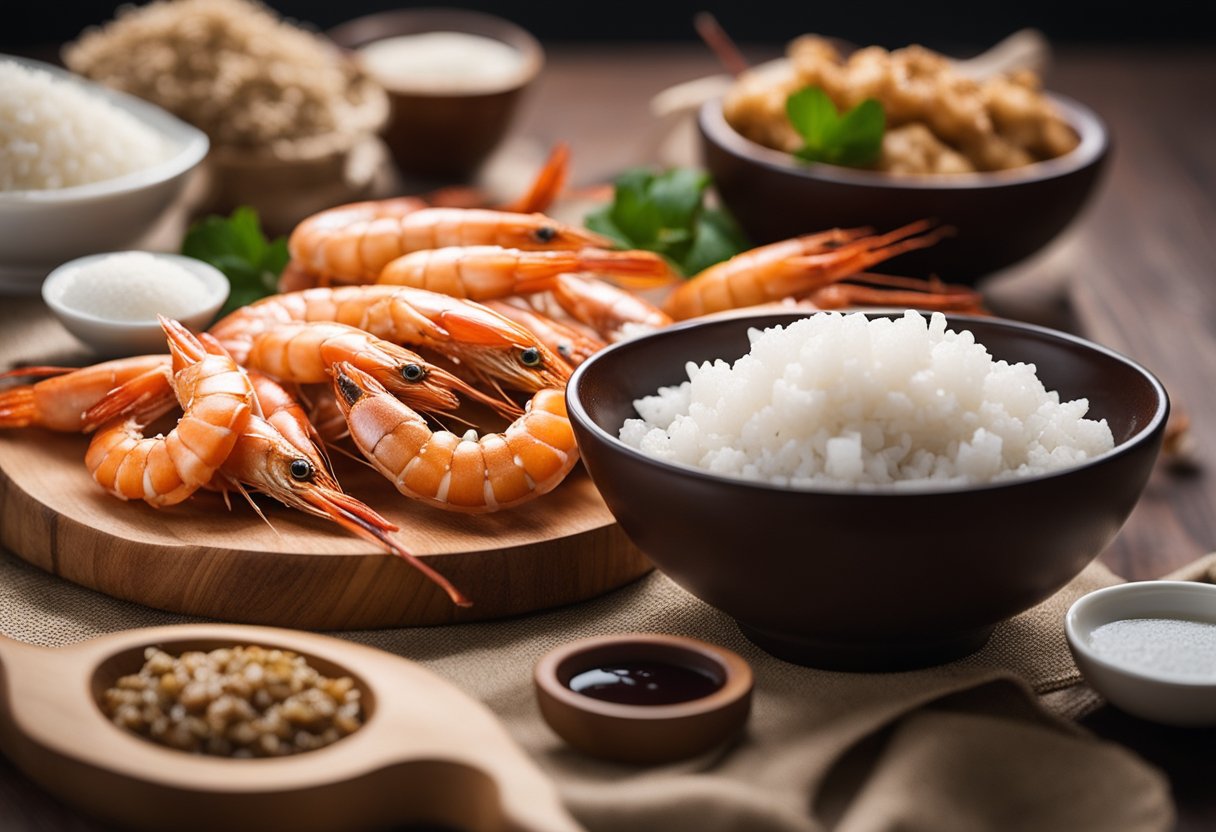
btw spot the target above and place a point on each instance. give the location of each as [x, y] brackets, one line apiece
[860, 134]
[674, 237]
[637, 216]
[717, 239]
[814, 116]
[665, 213]
[600, 221]
[677, 195]
[853, 139]
[275, 258]
[236, 246]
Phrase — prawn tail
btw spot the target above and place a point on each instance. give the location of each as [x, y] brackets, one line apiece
[18, 407]
[548, 185]
[184, 344]
[631, 269]
[41, 371]
[144, 397]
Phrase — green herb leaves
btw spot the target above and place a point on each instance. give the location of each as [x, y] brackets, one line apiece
[237, 247]
[853, 139]
[665, 213]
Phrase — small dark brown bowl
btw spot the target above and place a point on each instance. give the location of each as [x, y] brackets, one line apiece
[643, 734]
[874, 580]
[1000, 217]
[445, 136]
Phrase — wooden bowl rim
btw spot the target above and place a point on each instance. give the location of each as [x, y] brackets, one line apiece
[737, 680]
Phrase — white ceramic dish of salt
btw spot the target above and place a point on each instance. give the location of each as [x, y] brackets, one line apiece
[111, 333]
[1149, 648]
[39, 228]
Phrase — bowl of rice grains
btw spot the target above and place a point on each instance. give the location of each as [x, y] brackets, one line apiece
[867, 491]
[82, 169]
[240, 701]
[291, 119]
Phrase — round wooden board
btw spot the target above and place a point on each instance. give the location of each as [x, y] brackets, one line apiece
[202, 559]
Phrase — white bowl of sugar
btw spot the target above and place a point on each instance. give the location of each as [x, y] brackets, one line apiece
[1150, 648]
[110, 301]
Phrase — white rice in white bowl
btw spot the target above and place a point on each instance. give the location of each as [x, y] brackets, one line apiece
[841, 401]
[56, 134]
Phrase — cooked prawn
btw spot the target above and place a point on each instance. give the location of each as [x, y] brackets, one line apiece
[275, 454]
[793, 267]
[610, 311]
[489, 272]
[484, 273]
[902, 292]
[573, 345]
[303, 353]
[315, 233]
[492, 348]
[58, 403]
[346, 250]
[468, 474]
[217, 399]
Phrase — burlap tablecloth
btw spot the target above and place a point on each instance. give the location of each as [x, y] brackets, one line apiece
[982, 743]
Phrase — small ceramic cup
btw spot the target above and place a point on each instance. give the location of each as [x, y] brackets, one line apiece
[1173, 699]
[643, 734]
[114, 338]
[439, 135]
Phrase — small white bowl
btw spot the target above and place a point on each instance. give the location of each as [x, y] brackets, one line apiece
[40, 228]
[113, 338]
[1154, 695]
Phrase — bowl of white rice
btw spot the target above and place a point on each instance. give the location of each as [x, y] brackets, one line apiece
[867, 491]
[83, 169]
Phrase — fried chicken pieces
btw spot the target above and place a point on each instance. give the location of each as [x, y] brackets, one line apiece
[938, 121]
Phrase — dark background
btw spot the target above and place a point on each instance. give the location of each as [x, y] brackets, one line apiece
[975, 24]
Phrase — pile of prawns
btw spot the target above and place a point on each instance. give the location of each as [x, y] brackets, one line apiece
[395, 313]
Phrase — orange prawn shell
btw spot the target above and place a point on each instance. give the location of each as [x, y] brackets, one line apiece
[217, 400]
[493, 472]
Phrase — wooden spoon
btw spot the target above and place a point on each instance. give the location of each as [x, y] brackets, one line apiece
[426, 754]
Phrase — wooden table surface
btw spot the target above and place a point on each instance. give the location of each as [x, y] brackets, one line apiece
[1137, 272]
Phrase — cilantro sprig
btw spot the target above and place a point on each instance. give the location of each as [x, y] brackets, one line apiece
[666, 213]
[237, 247]
[852, 138]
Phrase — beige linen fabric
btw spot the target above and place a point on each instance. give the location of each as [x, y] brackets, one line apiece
[965, 746]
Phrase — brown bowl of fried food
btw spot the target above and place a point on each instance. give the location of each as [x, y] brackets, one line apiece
[1007, 165]
[454, 80]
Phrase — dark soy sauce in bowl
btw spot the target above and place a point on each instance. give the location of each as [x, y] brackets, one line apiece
[644, 683]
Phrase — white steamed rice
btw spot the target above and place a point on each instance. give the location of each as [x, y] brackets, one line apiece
[843, 401]
[55, 134]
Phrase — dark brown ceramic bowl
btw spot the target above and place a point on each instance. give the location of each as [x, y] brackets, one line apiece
[1000, 217]
[868, 580]
[445, 136]
[644, 734]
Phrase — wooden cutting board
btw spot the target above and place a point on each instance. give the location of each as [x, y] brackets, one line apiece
[202, 559]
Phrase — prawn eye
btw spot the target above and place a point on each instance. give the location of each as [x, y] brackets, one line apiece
[545, 234]
[301, 469]
[565, 350]
[412, 372]
[530, 357]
